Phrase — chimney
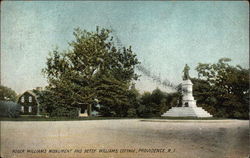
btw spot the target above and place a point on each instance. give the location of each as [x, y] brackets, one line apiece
[39, 88]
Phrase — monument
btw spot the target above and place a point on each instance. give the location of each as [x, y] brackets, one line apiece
[189, 107]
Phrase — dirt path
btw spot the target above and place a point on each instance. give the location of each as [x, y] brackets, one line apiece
[126, 138]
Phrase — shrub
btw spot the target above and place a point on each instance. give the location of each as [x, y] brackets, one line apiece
[65, 112]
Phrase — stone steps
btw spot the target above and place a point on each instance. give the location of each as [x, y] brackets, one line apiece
[187, 112]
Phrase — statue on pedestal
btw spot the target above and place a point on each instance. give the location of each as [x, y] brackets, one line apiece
[188, 106]
[187, 89]
[186, 72]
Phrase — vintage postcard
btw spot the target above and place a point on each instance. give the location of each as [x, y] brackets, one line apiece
[124, 79]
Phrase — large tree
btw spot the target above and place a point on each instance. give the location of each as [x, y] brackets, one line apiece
[223, 89]
[92, 69]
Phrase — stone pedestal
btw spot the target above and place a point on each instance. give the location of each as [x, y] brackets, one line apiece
[187, 94]
[189, 107]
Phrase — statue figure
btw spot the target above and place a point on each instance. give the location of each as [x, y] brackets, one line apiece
[186, 72]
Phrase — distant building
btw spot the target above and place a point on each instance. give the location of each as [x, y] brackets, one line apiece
[29, 103]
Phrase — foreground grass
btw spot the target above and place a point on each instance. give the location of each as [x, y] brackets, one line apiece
[35, 118]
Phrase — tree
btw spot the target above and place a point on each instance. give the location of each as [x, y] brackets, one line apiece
[93, 68]
[134, 101]
[224, 88]
[204, 94]
[7, 94]
[159, 99]
[144, 109]
[112, 95]
[153, 104]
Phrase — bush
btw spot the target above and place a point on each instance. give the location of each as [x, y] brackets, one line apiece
[65, 112]
[132, 112]
[9, 109]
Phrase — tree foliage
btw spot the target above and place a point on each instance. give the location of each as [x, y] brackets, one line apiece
[223, 89]
[7, 94]
[156, 103]
[92, 69]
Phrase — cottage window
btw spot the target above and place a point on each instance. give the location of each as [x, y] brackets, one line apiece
[22, 108]
[30, 109]
[22, 99]
[30, 99]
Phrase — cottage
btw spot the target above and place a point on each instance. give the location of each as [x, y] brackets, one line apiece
[29, 103]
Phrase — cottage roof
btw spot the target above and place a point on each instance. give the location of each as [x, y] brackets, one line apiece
[31, 93]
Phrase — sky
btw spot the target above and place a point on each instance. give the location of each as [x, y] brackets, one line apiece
[165, 35]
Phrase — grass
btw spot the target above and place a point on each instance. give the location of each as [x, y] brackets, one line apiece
[36, 118]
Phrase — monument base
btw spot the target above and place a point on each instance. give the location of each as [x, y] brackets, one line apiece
[187, 112]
